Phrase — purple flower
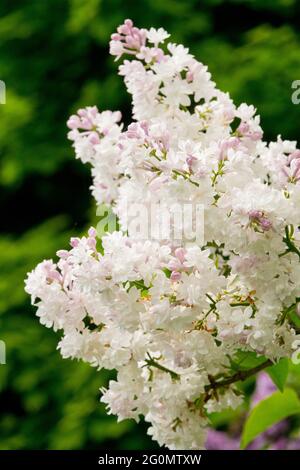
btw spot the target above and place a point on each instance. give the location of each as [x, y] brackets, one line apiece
[218, 440]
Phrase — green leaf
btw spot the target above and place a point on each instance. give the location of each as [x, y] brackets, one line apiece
[294, 317]
[279, 372]
[273, 409]
[244, 360]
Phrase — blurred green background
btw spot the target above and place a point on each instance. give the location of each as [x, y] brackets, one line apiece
[54, 58]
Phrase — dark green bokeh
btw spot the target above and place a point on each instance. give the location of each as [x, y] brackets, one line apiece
[53, 59]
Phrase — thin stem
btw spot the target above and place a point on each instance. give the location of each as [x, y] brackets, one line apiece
[186, 176]
[238, 376]
[240, 304]
[217, 173]
[153, 363]
[291, 247]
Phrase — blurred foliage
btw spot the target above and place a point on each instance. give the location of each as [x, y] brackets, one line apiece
[53, 59]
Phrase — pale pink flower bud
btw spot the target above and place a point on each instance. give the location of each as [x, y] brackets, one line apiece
[132, 42]
[124, 29]
[74, 242]
[135, 131]
[91, 243]
[294, 155]
[189, 76]
[255, 214]
[86, 123]
[128, 23]
[174, 265]
[295, 168]
[190, 160]
[62, 254]
[265, 224]
[73, 122]
[258, 217]
[116, 37]
[175, 276]
[94, 138]
[180, 254]
[243, 128]
[232, 142]
[257, 135]
[92, 232]
[145, 126]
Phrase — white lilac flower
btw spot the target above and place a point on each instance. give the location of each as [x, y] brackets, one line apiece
[169, 315]
[156, 36]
